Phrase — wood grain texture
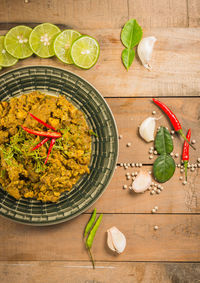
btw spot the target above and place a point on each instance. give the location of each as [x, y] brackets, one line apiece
[194, 13]
[175, 197]
[105, 272]
[76, 14]
[177, 239]
[129, 114]
[97, 14]
[175, 61]
[153, 13]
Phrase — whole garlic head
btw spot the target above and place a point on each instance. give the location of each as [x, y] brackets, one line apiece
[145, 49]
[116, 240]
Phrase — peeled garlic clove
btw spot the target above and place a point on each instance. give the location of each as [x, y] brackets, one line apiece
[147, 129]
[145, 49]
[116, 240]
[142, 182]
[109, 241]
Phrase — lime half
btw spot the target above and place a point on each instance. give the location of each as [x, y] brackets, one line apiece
[42, 38]
[62, 45]
[16, 42]
[6, 60]
[85, 52]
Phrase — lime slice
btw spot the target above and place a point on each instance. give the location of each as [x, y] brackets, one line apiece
[85, 52]
[16, 42]
[6, 60]
[42, 38]
[63, 43]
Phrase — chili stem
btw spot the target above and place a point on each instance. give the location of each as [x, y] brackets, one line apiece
[91, 257]
[42, 122]
[186, 165]
[184, 137]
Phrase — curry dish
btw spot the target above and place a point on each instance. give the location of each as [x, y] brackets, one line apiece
[22, 170]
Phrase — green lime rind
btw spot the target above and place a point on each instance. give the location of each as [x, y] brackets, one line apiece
[6, 60]
[62, 45]
[16, 42]
[42, 38]
[85, 52]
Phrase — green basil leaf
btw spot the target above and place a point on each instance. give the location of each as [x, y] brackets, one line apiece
[163, 141]
[128, 56]
[131, 34]
[164, 168]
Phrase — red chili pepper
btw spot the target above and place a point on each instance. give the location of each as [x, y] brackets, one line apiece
[42, 122]
[175, 122]
[50, 148]
[43, 134]
[41, 143]
[185, 153]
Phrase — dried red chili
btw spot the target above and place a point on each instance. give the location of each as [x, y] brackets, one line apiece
[185, 153]
[175, 122]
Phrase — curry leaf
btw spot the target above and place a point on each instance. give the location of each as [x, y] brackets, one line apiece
[128, 56]
[163, 141]
[164, 168]
[131, 34]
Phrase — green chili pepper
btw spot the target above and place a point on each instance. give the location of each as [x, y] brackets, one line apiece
[91, 236]
[90, 223]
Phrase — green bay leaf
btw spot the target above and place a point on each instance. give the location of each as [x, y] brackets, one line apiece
[163, 141]
[164, 168]
[131, 34]
[128, 56]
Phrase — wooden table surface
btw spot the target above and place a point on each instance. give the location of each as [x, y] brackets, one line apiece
[172, 253]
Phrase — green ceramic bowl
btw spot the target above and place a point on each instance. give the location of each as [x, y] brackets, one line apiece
[89, 188]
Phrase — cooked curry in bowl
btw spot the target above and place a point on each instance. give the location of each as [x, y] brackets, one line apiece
[45, 146]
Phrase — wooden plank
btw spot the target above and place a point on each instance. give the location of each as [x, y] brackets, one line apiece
[98, 14]
[129, 114]
[175, 197]
[175, 64]
[76, 14]
[105, 272]
[171, 13]
[177, 239]
[194, 13]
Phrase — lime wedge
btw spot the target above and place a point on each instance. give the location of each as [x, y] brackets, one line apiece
[85, 52]
[62, 45]
[6, 60]
[42, 38]
[16, 42]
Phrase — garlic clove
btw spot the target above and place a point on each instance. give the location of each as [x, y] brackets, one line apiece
[142, 182]
[145, 49]
[116, 240]
[109, 241]
[147, 129]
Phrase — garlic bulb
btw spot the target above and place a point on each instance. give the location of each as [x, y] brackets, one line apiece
[145, 49]
[142, 182]
[147, 129]
[116, 240]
